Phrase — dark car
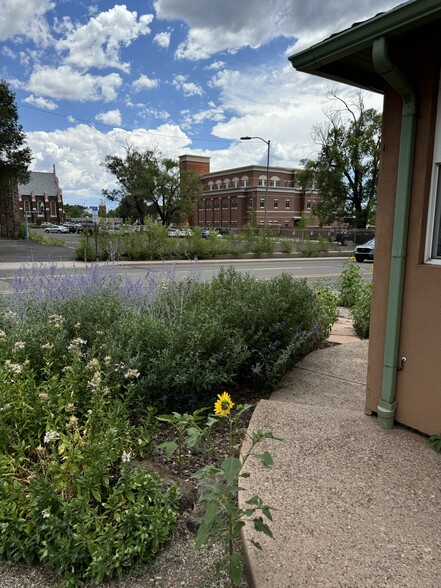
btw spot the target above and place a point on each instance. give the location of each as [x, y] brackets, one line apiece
[365, 251]
[356, 236]
[73, 227]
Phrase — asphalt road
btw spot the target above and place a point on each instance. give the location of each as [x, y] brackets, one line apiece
[22, 251]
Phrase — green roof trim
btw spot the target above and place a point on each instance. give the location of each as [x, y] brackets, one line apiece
[347, 56]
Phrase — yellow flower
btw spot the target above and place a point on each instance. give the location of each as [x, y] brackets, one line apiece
[223, 404]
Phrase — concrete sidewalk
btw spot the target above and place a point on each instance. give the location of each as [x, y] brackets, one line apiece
[356, 506]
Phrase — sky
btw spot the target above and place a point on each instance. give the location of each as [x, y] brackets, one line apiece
[92, 78]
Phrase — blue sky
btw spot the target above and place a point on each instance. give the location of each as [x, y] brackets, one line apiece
[92, 77]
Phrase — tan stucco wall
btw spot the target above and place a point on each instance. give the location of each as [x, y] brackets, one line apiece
[419, 383]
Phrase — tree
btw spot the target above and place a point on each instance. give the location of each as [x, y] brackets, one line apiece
[346, 170]
[75, 211]
[151, 185]
[15, 159]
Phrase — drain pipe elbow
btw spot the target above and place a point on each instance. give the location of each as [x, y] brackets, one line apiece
[395, 78]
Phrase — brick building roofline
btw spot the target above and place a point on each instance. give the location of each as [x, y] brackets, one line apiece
[250, 168]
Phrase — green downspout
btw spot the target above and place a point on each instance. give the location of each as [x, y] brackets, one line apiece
[386, 68]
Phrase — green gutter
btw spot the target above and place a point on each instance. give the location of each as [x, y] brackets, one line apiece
[385, 67]
[406, 16]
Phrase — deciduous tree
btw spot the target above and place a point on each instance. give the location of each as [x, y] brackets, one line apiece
[15, 159]
[150, 184]
[346, 170]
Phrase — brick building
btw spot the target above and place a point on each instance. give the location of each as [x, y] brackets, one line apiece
[41, 199]
[233, 197]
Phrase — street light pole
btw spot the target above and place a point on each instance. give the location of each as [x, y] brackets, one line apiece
[267, 171]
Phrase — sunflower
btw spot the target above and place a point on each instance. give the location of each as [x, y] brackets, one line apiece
[223, 404]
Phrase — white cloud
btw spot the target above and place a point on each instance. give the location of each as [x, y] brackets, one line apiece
[7, 52]
[98, 43]
[215, 114]
[287, 121]
[111, 117]
[22, 17]
[144, 83]
[153, 113]
[163, 39]
[66, 83]
[78, 152]
[188, 88]
[230, 25]
[216, 65]
[40, 102]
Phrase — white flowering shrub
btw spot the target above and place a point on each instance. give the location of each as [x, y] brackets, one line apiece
[70, 494]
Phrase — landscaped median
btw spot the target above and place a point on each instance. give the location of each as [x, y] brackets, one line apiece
[153, 241]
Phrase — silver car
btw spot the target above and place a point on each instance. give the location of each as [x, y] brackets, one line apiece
[365, 251]
[56, 229]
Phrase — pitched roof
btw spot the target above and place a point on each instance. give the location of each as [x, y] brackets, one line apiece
[347, 56]
[39, 183]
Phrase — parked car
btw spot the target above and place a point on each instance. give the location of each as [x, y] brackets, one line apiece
[356, 236]
[185, 233]
[212, 233]
[56, 229]
[72, 227]
[365, 251]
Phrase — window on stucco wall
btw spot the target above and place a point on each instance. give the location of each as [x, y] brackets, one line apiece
[433, 241]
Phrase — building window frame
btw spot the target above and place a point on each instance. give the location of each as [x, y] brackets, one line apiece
[276, 203]
[433, 230]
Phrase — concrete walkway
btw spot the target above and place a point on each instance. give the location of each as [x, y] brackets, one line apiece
[356, 506]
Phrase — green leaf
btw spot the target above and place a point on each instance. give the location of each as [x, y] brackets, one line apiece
[169, 446]
[259, 525]
[254, 500]
[245, 475]
[194, 436]
[266, 511]
[265, 458]
[207, 523]
[130, 495]
[96, 494]
[235, 568]
[256, 544]
[166, 418]
[210, 511]
[210, 422]
[231, 468]
[435, 440]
